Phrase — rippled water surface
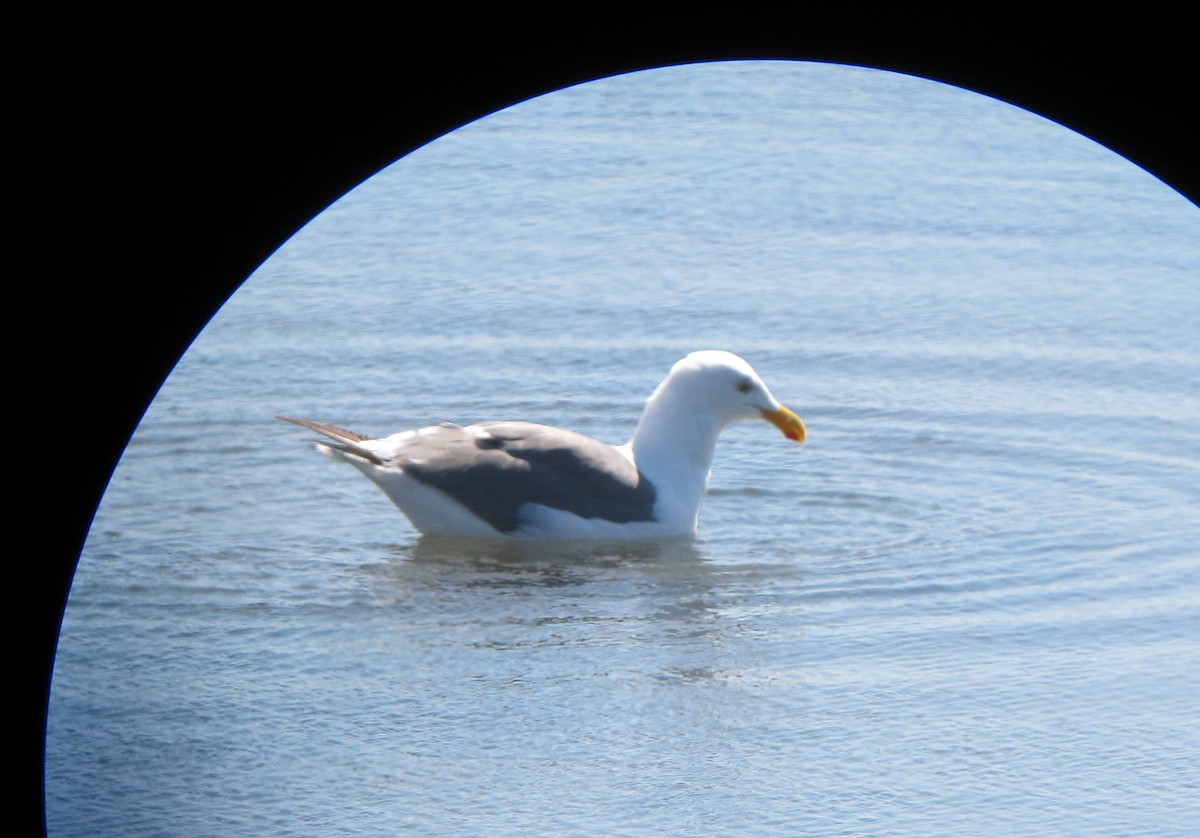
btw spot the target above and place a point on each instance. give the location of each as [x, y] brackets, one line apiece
[967, 606]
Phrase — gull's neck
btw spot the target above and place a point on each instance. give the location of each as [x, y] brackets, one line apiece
[673, 447]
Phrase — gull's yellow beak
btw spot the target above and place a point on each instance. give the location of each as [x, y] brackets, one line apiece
[786, 421]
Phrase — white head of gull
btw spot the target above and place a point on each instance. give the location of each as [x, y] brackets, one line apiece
[526, 480]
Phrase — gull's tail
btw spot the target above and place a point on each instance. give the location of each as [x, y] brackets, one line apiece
[347, 442]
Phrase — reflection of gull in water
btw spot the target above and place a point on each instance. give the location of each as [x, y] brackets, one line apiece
[480, 553]
[530, 481]
[649, 611]
[668, 570]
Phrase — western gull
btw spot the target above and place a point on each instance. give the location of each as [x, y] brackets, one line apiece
[527, 480]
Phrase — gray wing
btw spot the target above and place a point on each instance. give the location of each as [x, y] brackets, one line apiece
[494, 474]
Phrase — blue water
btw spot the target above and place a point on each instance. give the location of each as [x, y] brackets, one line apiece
[969, 605]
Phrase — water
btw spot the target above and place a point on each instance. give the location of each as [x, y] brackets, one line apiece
[967, 606]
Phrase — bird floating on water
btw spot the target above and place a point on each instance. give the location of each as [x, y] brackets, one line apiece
[533, 481]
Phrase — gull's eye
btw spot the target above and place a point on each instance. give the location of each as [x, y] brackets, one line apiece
[744, 386]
